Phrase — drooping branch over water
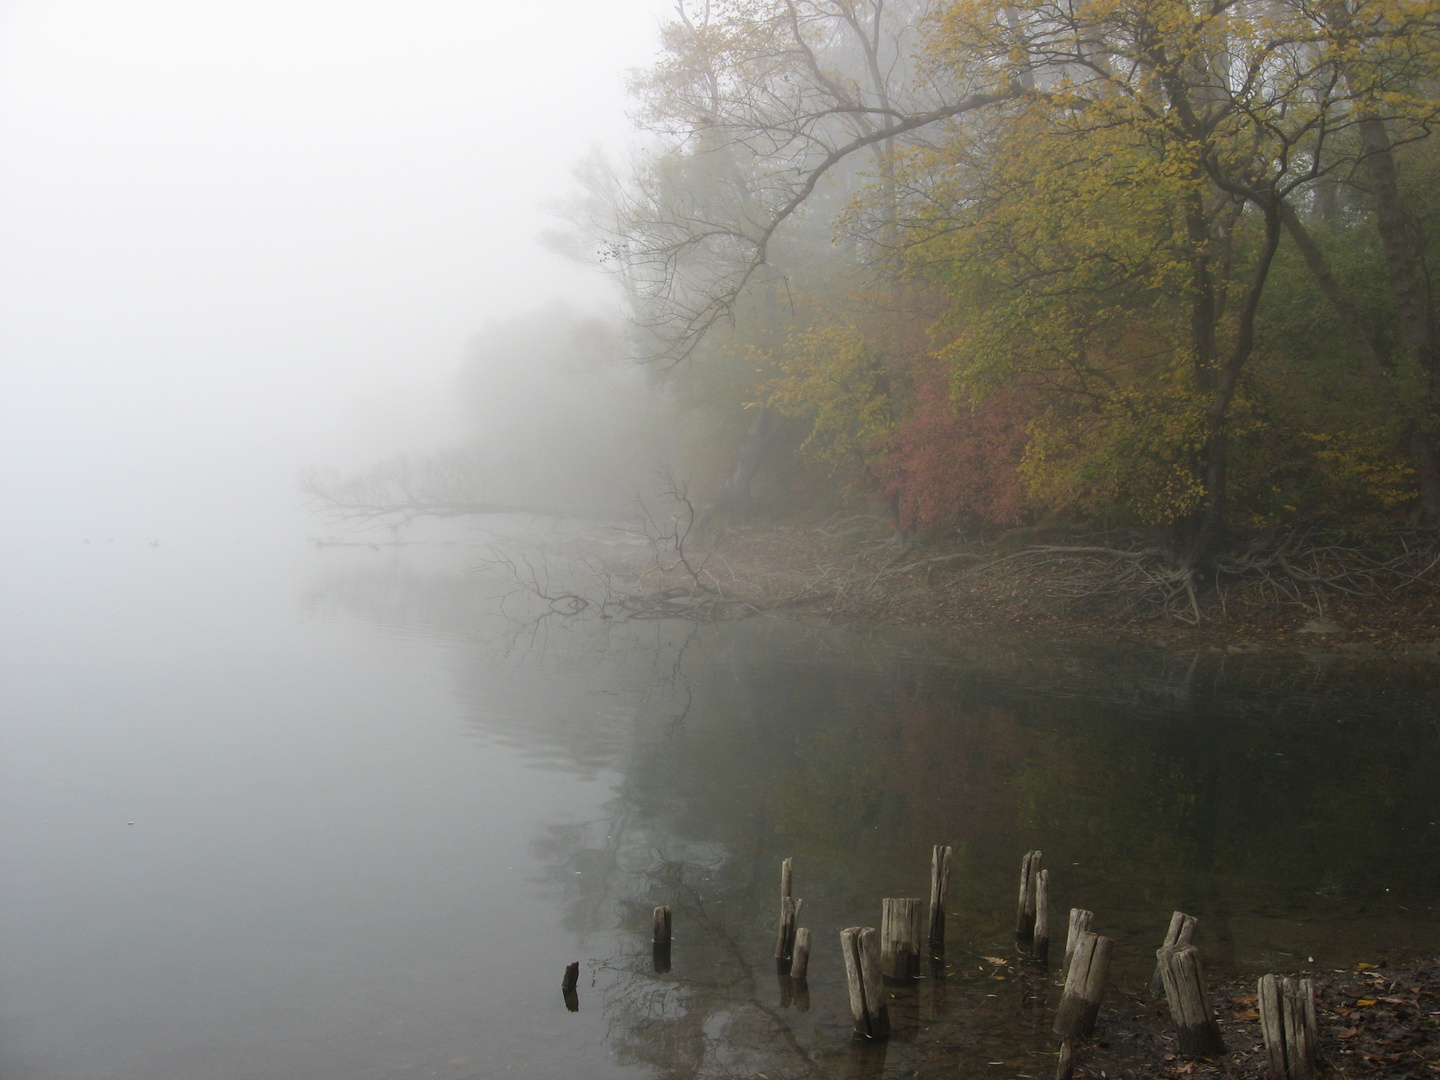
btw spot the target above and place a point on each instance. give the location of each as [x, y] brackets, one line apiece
[406, 487]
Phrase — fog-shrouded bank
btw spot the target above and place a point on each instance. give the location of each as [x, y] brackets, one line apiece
[414, 412]
[239, 240]
[552, 416]
[879, 261]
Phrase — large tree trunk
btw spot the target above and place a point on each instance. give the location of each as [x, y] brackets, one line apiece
[1405, 271]
[754, 446]
[1420, 446]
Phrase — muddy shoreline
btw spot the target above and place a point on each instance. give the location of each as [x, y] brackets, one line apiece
[1372, 1022]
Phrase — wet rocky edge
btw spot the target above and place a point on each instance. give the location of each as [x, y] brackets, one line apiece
[1372, 1022]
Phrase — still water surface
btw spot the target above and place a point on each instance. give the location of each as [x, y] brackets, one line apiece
[350, 819]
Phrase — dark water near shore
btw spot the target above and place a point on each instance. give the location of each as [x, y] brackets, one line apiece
[352, 820]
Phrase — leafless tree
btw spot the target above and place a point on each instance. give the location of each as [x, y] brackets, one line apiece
[402, 488]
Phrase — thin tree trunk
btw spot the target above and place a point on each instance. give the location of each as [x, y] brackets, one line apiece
[1205, 531]
[754, 446]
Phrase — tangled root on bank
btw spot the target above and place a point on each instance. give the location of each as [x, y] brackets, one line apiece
[1299, 570]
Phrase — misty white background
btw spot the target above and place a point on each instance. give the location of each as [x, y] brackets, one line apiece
[237, 238]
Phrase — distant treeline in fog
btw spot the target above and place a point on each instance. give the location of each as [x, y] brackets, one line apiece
[1141, 263]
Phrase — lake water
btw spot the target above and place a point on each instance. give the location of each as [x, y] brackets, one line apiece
[341, 815]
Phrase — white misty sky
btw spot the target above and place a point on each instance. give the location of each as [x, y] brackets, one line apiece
[239, 236]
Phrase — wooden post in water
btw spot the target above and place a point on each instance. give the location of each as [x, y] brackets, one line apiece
[800, 957]
[1080, 920]
[789, 912]
[567, 986]
[1300, 1029]
[900, 939]
[1287, 1020]
[1181, 932]
[1025, 915]
[785, 933]
[1196, 1031]
[1084, 986]
[940, 859]
[864, 982]
[1041, 947]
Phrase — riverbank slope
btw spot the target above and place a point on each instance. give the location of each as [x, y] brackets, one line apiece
[1348, 601]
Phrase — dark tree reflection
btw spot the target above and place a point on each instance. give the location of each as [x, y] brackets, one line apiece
[1286, 802]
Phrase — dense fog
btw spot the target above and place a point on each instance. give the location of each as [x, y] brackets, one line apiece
[241, 239]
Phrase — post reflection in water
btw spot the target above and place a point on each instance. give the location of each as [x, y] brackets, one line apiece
[866, 1060]
[1259, 794]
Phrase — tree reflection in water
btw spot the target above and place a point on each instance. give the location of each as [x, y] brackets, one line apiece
[1257, 793]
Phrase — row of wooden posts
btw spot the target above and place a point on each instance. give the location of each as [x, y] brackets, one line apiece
[893, 955]
[1287, 1005]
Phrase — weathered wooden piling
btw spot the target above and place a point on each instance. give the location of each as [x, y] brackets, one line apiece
[1287, 1021]
[861, 948]
[1025, 914]
[1080, 920]
[1084, 986]
[567, 986]
[789, 912]
[1181, 932]
[1197, 1033]
[940, 859]
[1301, 1037]
[800, 957]
[1041, 941]
[900, 938]
[785, 933]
